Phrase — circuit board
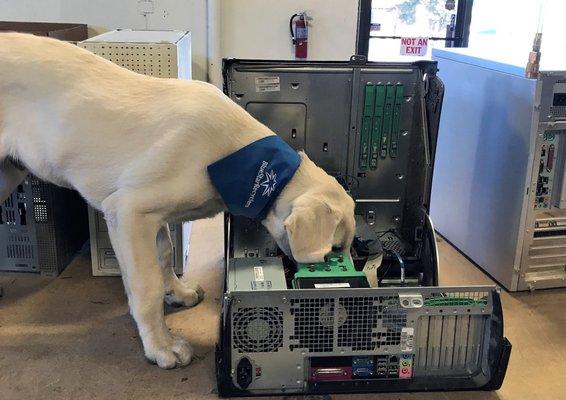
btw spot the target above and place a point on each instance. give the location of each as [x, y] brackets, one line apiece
[336, 271]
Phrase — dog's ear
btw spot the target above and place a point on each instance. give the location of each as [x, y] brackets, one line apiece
[310, 229]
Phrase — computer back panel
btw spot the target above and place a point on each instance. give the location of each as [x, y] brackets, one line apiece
[337, 340]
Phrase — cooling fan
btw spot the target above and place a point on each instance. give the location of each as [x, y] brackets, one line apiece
[258, 329]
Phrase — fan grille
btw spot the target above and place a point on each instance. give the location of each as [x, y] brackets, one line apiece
[314, 324]
[558, 112]
[258, 329]
[362, 323]
[363, 329]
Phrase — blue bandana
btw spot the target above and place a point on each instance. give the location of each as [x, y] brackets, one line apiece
[250, 179]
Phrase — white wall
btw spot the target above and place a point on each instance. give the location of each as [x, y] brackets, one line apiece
[248, 28]
[103, 15]
[260, 28]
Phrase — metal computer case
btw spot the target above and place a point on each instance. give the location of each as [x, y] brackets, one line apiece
[279, 335]
[500, 165]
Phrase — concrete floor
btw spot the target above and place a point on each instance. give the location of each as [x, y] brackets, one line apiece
[72, 337]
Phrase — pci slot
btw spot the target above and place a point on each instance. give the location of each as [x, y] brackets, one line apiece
[396, 120]
[387, 119]
[369, 97]
[377, 124]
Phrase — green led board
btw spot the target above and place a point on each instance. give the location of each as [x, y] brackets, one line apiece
[336, 265]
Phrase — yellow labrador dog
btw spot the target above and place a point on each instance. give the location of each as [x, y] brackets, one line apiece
[137, 148]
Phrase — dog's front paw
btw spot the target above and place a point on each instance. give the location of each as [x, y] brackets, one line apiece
[185, 295]
[177, 353]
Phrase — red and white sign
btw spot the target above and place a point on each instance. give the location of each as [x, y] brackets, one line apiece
[414, 46]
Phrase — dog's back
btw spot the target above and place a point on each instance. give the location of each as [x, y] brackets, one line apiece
[29, 60]
[79, 120]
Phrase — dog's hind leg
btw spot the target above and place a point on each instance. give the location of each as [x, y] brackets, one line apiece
[177, 292]
[133, 233]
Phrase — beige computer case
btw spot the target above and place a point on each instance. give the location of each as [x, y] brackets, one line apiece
[164, 54]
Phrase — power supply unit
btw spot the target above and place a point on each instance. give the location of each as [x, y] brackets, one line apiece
[372, 319]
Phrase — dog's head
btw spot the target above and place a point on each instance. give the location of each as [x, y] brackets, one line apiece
[312, 216]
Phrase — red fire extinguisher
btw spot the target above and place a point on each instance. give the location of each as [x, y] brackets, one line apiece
[300, 34]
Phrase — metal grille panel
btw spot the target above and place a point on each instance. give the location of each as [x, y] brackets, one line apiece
[358, 332]
[314, 324]
[42, 227]
[394, 319]
[258, 329]
[19, 250]
[371, 322]
[391, 242]
[360, 323]
[149, 58]
[558, 112]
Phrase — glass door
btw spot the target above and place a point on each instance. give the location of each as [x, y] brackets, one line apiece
[435, 23]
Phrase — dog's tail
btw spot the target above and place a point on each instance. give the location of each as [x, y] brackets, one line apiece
[11, 175]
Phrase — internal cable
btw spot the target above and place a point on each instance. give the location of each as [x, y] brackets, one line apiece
[401, 268]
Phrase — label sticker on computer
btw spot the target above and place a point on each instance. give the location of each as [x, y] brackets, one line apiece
[407, 339]
[267, 84]
[331, 285]
[258, 274]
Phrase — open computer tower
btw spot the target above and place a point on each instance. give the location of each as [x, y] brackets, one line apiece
[370, 321]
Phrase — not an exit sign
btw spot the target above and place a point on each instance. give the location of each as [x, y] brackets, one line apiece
[414, 46]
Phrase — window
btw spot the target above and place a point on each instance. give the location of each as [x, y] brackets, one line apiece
[443, 22]
[509, 26]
